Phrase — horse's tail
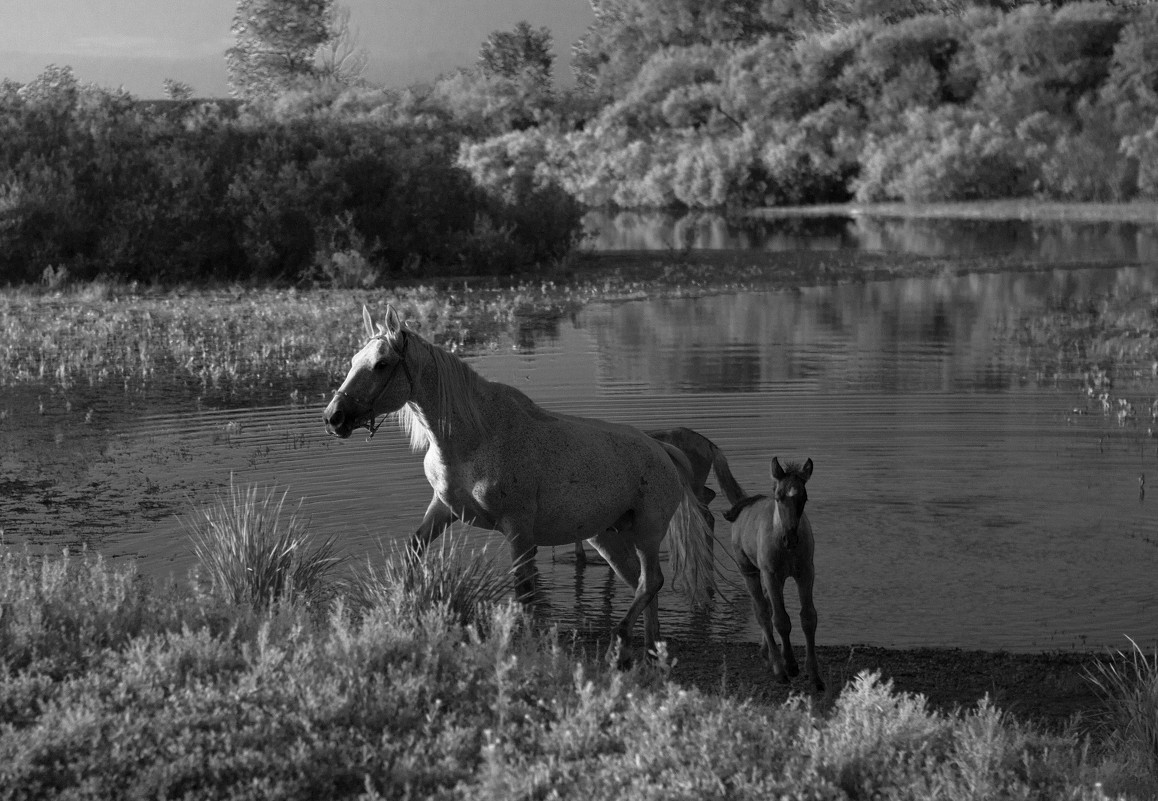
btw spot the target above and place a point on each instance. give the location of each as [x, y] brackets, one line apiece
[724, 476]
[690, 541]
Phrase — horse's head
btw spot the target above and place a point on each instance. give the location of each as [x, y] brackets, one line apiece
[379, 381]
[790, 495]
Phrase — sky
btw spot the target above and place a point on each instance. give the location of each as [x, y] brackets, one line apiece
[137, 44]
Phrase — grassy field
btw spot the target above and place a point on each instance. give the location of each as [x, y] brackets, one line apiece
[111, 688]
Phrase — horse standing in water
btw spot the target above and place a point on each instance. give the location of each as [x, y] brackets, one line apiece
[497, 460]
[772, 540]
[703, 456]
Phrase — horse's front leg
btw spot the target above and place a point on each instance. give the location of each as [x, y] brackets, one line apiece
[774, 586]
[520, 535]
[763, 610]
[437, 519]
[808, 623]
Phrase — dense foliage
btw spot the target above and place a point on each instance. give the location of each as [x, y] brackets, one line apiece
[340, 185]
[773, 103]
[112, 689]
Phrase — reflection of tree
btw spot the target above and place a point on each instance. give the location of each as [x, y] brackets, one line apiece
[1063, 242]
[951, 333]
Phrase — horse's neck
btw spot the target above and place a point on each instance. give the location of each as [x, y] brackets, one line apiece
[445, 407]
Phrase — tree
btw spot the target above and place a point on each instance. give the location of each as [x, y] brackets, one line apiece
[522, 52]
[341, 59]
[626, 33]
[277, 42]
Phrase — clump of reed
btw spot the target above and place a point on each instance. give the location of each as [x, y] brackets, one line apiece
[253, 551]
[463, 586]
[1128, 684]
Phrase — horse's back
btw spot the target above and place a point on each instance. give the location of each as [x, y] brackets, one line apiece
[579, 469]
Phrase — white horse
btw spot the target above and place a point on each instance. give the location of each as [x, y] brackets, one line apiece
[497, 460]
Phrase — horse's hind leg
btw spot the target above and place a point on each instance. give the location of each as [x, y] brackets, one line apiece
[642, 577]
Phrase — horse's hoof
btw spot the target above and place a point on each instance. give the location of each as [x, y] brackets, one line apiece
[620, 656]
[793, 670]
[819, 685]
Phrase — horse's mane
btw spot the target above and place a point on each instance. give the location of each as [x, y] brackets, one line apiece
[457, 385]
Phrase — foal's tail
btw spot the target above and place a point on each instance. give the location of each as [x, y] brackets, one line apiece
[690, 540]
[724, 476]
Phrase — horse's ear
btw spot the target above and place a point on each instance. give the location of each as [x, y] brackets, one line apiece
[777, 471]
[368, 321]
[393, 322]
[806, 471]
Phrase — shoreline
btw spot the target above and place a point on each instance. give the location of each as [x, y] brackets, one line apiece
[1047, 689]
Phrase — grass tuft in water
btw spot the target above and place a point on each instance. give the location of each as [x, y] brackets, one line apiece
[1128, 684]
[253, 551]
[464, 585]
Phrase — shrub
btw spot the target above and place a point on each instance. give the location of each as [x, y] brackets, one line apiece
[946, 154]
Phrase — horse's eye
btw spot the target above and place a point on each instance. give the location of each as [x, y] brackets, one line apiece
[380, 365]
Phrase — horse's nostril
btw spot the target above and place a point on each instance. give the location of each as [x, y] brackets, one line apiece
[333, 417]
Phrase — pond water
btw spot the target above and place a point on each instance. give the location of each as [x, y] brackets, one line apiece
[965, 494]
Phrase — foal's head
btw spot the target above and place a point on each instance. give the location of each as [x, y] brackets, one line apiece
[790, 495]
[379, 381]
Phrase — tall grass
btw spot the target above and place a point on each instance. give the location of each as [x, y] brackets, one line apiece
[253, 551]
[1128, 684]
[465, 586]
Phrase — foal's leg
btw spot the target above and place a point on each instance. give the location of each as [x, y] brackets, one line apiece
[774, 586]
[808, 623]
[763, 610]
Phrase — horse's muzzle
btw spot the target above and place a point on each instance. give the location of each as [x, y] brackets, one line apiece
[339, 421]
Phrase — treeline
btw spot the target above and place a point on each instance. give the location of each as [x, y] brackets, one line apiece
[759, 102]
[311, 175]
[327, 183]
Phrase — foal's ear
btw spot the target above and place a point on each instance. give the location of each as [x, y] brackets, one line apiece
[368, 322]
[777, 471]
[393, 322]
[806, 471]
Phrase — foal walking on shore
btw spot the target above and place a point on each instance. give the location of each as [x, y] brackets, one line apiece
[772, 541]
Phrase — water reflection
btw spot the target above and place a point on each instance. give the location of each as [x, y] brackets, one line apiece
[1058, 242]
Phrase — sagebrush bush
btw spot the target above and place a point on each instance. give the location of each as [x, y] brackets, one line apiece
[284, 703]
